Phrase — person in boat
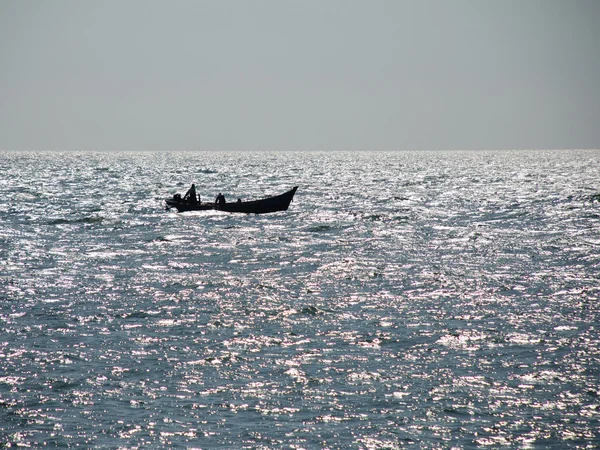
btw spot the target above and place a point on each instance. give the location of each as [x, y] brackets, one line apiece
[220, 200]
[190, 195]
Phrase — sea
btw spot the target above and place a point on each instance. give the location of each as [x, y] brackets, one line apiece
[406, 300]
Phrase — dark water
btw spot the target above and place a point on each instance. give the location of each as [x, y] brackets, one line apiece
[406, 300]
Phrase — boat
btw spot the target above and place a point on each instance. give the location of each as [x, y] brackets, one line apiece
[276, 203]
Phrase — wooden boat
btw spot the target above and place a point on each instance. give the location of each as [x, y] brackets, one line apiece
[265, 205]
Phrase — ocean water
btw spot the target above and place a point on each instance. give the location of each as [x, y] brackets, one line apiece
[419, 300]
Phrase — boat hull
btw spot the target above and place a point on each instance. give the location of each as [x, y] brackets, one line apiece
[266, 205]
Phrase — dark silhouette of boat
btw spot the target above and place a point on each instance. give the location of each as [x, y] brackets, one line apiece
[262, 206]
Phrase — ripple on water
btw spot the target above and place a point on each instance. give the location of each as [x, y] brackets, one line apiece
[408, 300]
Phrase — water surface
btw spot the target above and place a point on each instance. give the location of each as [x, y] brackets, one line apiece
[405, 300]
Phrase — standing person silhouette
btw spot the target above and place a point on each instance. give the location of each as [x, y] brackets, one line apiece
[190, 195]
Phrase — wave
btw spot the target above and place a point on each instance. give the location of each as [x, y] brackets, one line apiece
[76, 221]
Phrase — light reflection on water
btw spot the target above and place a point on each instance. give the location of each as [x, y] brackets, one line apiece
[418, 300]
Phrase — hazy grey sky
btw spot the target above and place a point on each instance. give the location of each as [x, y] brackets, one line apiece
[299, 75]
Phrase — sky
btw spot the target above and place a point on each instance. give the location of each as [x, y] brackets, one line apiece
[299, 74]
